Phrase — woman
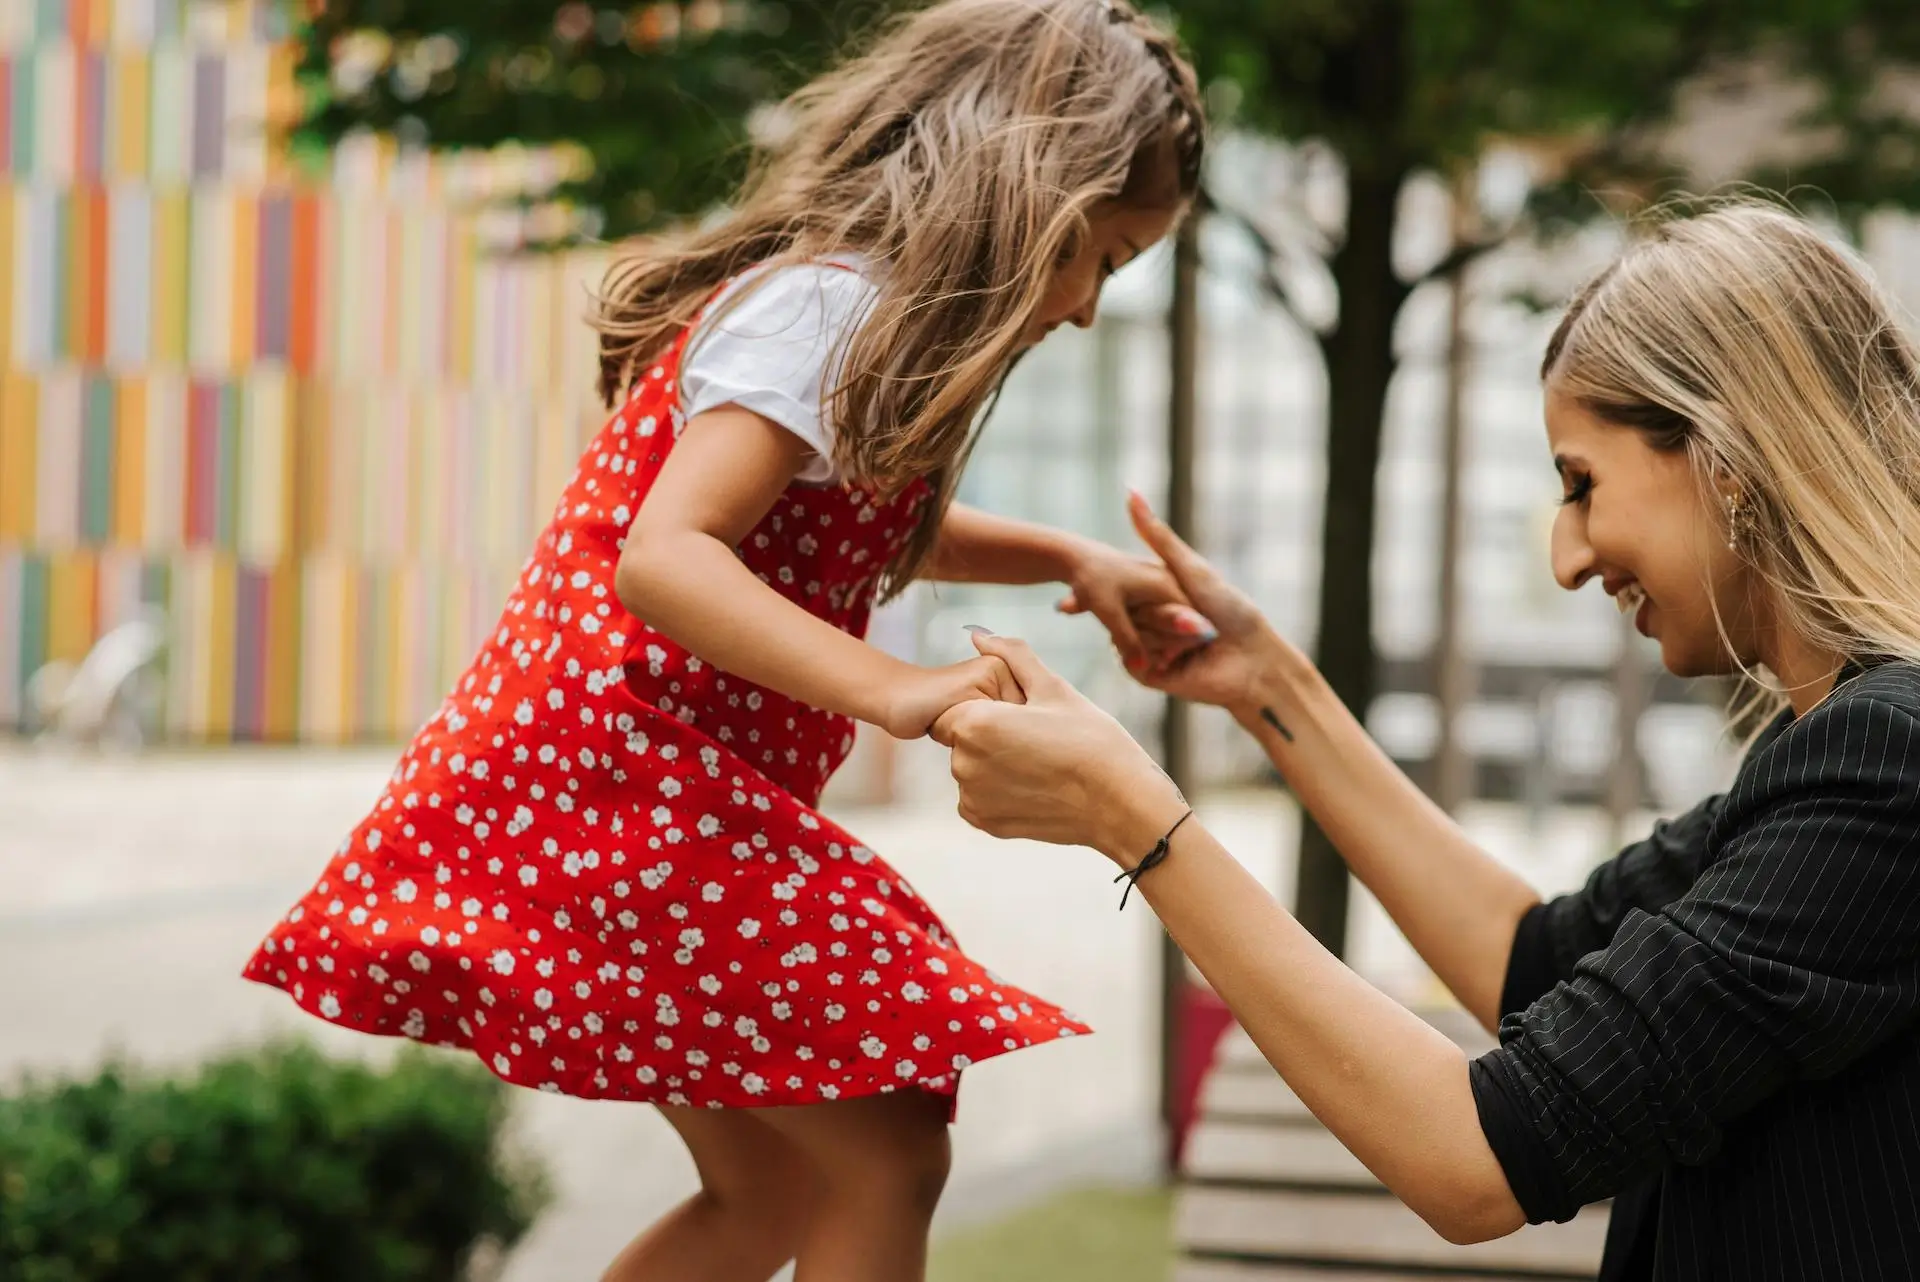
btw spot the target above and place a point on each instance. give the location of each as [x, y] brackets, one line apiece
[1719, 1029]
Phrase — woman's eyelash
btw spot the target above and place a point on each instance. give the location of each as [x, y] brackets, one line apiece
[1579, 489]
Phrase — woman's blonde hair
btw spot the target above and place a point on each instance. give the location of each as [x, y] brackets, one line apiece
[963, 153]
[1767, 353]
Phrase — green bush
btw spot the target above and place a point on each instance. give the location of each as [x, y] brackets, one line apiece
[274, 1166]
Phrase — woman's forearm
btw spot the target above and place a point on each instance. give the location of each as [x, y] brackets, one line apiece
[1392, 1088]
[694, 589]
[977, 547]
[1457, 906]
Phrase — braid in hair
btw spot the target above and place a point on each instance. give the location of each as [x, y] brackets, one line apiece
[1187, 132]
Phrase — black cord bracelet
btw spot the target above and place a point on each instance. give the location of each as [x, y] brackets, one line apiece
[1155, 857]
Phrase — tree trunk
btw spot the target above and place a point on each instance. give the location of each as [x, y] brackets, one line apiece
[1360, 364]
[1176, 755]
[1453, 767]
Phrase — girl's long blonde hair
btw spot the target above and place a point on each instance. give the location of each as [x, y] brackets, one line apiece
[963, 153]
[1747, 339]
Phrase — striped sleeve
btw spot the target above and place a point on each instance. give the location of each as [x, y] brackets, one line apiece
[1648, 875]
[1796, 952]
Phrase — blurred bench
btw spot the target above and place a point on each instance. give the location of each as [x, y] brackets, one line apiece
[1269, 1195]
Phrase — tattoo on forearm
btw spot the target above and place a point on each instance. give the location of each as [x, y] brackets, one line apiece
[1267, 715]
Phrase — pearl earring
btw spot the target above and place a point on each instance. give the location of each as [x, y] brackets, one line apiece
[1737, 520]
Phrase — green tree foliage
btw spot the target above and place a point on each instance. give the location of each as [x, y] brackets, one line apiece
[655, 99]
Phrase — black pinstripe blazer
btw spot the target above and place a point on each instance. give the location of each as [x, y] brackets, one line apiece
[1722, 1028]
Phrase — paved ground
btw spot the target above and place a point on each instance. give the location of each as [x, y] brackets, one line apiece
[132, 891]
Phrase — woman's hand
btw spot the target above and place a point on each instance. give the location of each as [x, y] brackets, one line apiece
[1058, 769]
[1138, 601]
[1226, 671]
[918, 699]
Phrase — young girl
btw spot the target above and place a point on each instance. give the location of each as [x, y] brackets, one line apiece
[598, 867]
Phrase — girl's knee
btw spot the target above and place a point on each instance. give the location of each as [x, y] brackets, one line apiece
[906, 1162]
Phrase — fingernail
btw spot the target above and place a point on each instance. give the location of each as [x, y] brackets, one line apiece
[977, 630]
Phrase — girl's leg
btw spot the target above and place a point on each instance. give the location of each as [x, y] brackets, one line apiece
[883, 1163]
[756, 1195]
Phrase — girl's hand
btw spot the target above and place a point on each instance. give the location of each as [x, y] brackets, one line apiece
[1058, 769]
[1227, 670]
[1140, 603]
[918, 699]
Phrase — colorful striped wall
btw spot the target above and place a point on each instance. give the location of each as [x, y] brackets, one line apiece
[304, 410]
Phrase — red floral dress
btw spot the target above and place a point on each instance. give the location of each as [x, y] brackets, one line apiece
[598, 866]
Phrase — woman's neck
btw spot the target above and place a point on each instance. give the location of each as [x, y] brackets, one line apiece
[1805, 671]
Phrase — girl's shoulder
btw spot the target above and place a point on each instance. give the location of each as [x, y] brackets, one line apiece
[792, 302]
[774, 340]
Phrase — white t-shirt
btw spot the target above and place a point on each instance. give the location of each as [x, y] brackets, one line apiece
[771, 352]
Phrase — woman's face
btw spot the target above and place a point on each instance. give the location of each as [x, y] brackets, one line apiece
[1638, 519]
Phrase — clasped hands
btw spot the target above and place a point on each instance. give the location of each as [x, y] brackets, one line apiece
[1035, 759]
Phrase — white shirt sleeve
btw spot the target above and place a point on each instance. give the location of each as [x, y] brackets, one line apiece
[772, 351]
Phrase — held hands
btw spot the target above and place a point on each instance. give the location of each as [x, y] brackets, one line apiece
[1057, 769]
[918, 699]
[1227, 669]
[1139, 602]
